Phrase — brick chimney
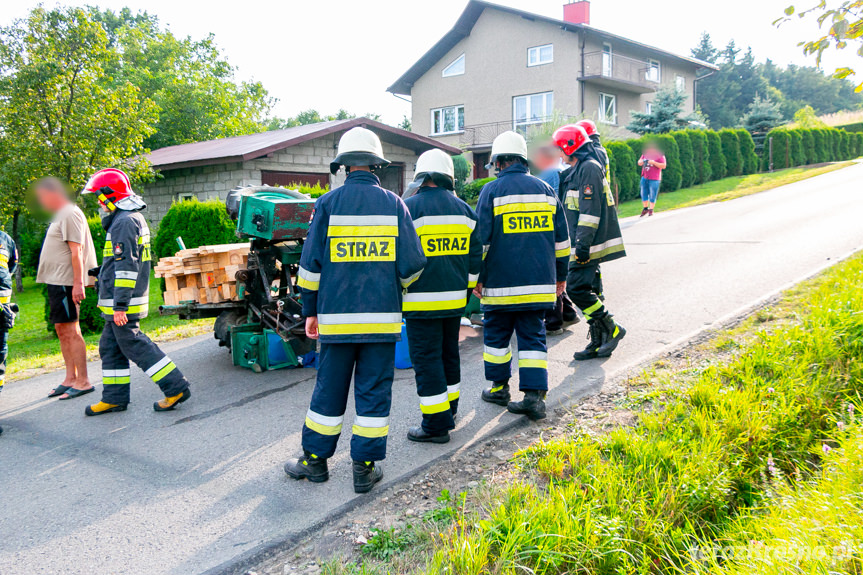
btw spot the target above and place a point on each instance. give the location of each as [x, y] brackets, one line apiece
[577, 12]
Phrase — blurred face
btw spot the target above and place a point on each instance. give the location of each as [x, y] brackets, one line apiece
[546, 158]
[51, 198]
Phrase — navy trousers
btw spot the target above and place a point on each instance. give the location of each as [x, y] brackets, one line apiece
[529, 328]
[372, 367]
[581, 285]
[434, 353]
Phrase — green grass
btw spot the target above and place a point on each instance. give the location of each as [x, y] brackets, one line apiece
[759, 450]
[728, 189]
[34, 350]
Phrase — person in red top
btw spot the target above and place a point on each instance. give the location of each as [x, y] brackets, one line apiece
[652, 162]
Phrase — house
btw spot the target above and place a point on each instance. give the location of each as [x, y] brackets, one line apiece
[501, 69]
[299, 155]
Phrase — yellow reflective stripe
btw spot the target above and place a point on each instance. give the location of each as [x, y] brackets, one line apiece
[116, 380]
[540, 363]
[529, 208]
[496, 388]
[144, 240]
[453, 391]
[519, 299]
[584, 224]
[490, 358]
[5, 299]
[434, 404]
[121, 283]
[323, 429]
[587, 312]
[354, 231]
[164, 371]
[371, 431]
[436, 229]
[358, 328]
[309, 285]
[561, 253]
[406, 282]
[434, 305]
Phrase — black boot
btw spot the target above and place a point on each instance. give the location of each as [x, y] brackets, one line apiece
[497, 394]
[533, 405]
[309, 467]
[594, 334]
[366, 474]
[420, 435]
[611, 336]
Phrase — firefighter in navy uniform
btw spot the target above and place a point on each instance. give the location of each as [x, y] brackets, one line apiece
[124, 289]
[361, 252]
[601, 156]
[434, 304]
[525, 251]
[592, 217]
[8, 262]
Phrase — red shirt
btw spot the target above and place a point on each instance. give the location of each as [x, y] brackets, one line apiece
[652, 172]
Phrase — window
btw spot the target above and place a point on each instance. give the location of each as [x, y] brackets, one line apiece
[447, 120]
[648, 108]
[532, 109]
[186, 197]
[653, 72]
[607, 108]
[680, 83]
[456, 68]
[539, 55]
[607, 60]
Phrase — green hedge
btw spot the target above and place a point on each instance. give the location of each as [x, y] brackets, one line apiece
[855, 127]
[198, 223]
[718, 165]
[471, 191]
[625, 175]
[672, 175]
[731, 151]
[687, 162]
[798, 153]
[700, 155]
[747, 151]
[808, 137]
[859, 138]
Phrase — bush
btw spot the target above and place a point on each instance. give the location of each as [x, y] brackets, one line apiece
[835, 148]
[808, 137]
[471, 191]
[859, 137]
[844, 146]
[731, 151]
[781, 150]
[718, 166]
[819, 155]
[700, 155]
[672, 175]
[198, 223]
[637, 147]
[798, 154]
[624, 171]
[31, 234]
[747, 151]
[462, 171]
[687, 164]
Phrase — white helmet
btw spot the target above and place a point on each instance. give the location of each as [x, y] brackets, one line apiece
[359, 147]
[509, 144]
[435, 162]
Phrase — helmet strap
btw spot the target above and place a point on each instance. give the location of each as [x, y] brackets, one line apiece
[105, 201]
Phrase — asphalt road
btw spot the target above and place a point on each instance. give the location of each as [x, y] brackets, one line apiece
[187, 492]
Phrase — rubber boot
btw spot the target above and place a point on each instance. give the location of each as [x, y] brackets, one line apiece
[611, 336]
[309, 467]
[497, 394]
[420, 435]
[594, 334]
[366, 474]
[102, 408]
[533, 405]
[169, 403]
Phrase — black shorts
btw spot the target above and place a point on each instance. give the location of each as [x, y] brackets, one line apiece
[61, 307]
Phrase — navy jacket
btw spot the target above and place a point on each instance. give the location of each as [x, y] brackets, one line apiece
[8, 262]
[449, 235]
[124, 278]
[361, 252]
[525, 242]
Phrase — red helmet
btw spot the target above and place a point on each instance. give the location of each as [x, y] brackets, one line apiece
[589, 127]
[111, 187]
[570, 138]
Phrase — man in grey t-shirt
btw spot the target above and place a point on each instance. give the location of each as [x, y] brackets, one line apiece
[67, 254]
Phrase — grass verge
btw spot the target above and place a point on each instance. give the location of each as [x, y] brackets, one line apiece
[729, 188]
[34, 350]
[748, 460]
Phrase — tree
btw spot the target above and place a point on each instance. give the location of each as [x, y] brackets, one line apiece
[845, 22]
[805, 117]
[310, 116]
[405, 124]
[664, 116]
[718, 166]
[731, 151]
[763, 115]
[193, 85]
[705, 50]
[687, 161]
[747, 151]
[700, 155]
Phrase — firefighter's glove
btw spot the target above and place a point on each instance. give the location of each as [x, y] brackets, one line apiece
[7, 316]
[582, 257]
[94, 272]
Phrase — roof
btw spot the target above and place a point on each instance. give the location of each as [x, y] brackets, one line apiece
[242, 148]
[468, 19]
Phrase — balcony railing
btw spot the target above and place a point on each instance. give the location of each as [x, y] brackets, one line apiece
[619, 71]
[480, 135]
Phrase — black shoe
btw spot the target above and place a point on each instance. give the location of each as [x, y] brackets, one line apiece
[497, 394]
[366, 474]
[420, 435]
[308, 467]
[594, 334]
[611, 336]
[533, 405]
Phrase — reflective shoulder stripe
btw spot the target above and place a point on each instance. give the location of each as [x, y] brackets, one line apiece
[342, 220]
[308, 280]
[524, 199]
[121, 283]
[350, 226]
[444, 225]
[126, 275]
[588, 218]
[586, 224]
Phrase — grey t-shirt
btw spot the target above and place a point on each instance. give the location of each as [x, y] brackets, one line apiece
[55, 262]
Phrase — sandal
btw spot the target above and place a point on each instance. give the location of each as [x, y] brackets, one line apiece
[73, 393]
[59, 390]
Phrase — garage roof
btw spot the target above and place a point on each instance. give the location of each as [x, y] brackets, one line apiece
[242, 148]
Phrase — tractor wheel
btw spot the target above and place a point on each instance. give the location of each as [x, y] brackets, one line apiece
[224, 323]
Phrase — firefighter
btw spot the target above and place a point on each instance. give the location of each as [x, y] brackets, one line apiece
[8, 263]
[601, 156]
[592, 217]
[361, 252]
[124, 288]
[525, 250]
[434, 305]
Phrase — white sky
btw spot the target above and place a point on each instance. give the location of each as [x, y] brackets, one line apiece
[331, 54]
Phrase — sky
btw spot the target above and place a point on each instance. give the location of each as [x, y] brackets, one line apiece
[331, 54]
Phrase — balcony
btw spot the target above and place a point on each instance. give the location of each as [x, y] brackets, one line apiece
[618, 72]
[480, 136]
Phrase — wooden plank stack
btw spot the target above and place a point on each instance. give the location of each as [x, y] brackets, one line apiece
[203, 275]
